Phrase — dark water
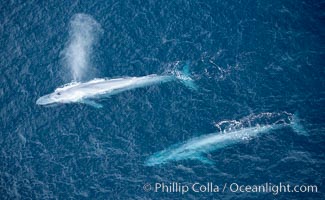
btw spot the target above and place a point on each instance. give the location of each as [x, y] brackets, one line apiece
[248, 57]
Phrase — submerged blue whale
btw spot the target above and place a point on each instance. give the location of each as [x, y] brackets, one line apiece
[197, 147]
[77, 92]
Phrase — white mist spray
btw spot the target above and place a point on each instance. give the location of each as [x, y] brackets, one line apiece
[83, 34]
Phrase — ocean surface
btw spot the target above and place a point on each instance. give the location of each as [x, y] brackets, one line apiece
[248, 58]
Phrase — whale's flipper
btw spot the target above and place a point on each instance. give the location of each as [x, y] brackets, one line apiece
[185, 77]
[203, 159]
[92, 103]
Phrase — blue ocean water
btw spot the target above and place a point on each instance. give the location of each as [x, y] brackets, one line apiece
[247, 57]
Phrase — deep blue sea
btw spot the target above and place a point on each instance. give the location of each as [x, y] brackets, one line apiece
[247, 58]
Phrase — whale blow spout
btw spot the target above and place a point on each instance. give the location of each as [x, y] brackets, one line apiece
[84, 32]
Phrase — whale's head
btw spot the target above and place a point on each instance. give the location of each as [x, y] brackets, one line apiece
[164, 156]
[155, 160]
[49, 99]
[65, 94]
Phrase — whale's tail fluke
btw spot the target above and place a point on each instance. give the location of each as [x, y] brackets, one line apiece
[296, 125]
[185, 76]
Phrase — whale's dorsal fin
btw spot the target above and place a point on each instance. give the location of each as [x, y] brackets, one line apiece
[92, 103]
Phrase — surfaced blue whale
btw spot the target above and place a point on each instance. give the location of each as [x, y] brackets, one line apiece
[88, 92]
[196, 148]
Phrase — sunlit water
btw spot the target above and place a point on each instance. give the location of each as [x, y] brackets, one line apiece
[247, 58]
